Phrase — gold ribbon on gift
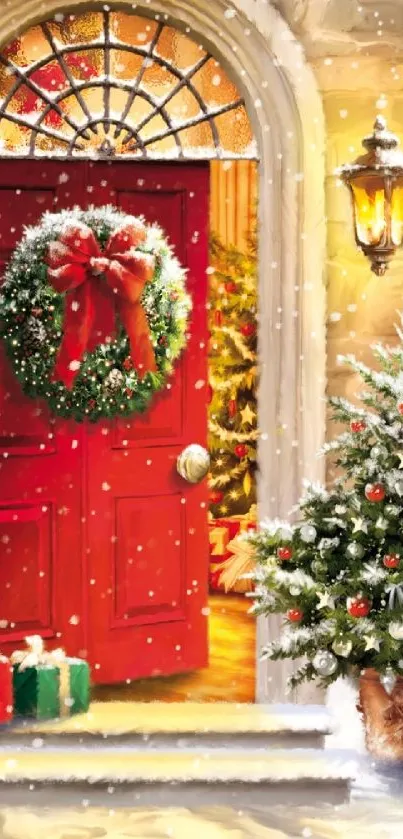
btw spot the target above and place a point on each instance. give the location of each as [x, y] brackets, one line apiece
[36, 656]
[241, 562]
[219, 538]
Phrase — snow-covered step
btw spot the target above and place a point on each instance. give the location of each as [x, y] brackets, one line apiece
[185, 778]
[179, 725]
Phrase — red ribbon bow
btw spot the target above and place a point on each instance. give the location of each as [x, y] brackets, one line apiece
[98, 286]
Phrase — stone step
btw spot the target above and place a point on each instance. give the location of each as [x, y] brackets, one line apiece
[160, 725]
[189, 778]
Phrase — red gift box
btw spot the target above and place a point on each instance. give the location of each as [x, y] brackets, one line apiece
[6, 690]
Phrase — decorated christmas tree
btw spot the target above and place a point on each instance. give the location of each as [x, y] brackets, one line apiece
[336, 574]
[232, 378]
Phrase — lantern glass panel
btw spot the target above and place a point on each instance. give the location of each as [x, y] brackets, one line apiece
[369, 209]
[397, 213]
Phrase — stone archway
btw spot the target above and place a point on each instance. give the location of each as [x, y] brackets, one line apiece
[264, 59]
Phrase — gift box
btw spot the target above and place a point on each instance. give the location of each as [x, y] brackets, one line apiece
[48, 685]
[6, 690]
[222, 533]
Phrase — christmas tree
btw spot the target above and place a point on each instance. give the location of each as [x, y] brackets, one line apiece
[336, 574]
[232, 378]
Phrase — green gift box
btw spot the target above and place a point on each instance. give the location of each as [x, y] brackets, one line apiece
[49, 685]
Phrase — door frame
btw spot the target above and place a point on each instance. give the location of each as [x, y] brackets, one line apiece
[285, 107]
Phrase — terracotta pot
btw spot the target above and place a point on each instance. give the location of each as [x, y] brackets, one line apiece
[382, 715]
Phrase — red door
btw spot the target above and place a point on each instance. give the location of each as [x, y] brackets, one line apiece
[104, 547]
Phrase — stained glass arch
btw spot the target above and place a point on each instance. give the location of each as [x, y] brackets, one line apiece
[109, 83]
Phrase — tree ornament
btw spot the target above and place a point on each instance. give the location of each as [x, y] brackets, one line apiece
[342, 648]
[358, 606]
[232, 408]
[371, 643]
[391, 560]
[355, 550]
[295, 615]
[378, 452]
[360, 525]
[388, 680]
[374, 492]
[218, 317]
[241, 450]
[101, 280]
[325, 663]
[216, 496]
[230, 287]
[248, 329]
[318, 567]
[357, 425]
[210, 394]
[308, 533]
[113, 382]
[400, 408]
[284, 552]
[395, 630]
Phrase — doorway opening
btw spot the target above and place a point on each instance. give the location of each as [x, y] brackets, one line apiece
[91, 105]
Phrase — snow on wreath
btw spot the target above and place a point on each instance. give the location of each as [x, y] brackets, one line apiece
[94, 312]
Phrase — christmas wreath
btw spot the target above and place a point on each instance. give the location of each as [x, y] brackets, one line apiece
[94, 312]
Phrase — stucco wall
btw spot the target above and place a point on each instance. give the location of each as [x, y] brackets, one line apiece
[361, 308]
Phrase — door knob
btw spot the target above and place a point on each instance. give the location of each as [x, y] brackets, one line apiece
[193, 463]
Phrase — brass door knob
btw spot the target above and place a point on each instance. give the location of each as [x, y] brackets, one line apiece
[193, 463]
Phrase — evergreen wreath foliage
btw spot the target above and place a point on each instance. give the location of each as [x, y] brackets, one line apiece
[106, 385]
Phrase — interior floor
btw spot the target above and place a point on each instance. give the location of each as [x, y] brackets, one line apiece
[230, 675]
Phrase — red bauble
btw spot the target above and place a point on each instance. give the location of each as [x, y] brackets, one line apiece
[128, 363]
[162, 340]
[241, 450]
[218, 318]
[248, 329]
[391, 560]
[374, 492]
[232, 407]
[358, 607]
[295, 615]
[216, 496]
[357, 425]
[400, 407]
[230, 287]
[284, 553]
[129, 392]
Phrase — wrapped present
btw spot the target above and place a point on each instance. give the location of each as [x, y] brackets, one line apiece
[48, 684]
[6, 690]
[233, 573]
[221, 533]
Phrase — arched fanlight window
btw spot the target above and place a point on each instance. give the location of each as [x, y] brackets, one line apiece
[110, 83]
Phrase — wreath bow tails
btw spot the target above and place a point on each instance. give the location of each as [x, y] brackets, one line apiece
[99, 287]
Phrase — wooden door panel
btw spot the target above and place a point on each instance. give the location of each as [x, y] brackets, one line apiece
[40, 465]
[26, 554]
[147, 591]
[148, 532]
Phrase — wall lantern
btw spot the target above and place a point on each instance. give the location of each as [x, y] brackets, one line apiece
[375, 180]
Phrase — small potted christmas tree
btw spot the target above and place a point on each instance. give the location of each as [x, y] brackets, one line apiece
[336, 574]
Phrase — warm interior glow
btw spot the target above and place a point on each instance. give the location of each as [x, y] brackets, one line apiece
[369, 210]
[397, 213]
